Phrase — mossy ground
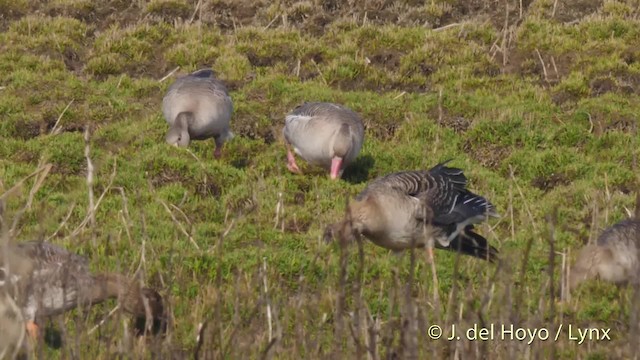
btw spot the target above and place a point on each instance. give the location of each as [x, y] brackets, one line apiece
[536, 100]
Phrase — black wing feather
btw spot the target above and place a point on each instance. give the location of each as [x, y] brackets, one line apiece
[473, 244]
[467, 205]
[203, 73]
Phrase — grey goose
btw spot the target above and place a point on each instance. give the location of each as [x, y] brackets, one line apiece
[613, 258]
[429, 208]
[198, 106]
[11, 322]
[51, 280]
[323, 134]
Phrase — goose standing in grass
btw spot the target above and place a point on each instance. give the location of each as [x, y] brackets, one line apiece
[323, 134]
[420, 209]
[614, 257]
[51, 280]
[197, 107]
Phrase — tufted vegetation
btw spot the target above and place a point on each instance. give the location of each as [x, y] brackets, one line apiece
[536, 100]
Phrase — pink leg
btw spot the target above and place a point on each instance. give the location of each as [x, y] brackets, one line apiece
[291, 163]
[431, 254]
[217, 153]
[32, 329]
[431, 259]
[336, 164]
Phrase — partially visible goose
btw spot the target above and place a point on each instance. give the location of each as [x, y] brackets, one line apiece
[55, 280]
[12, 324]
[424, 208]
[613, 258]
[323, 134]
[197, 107]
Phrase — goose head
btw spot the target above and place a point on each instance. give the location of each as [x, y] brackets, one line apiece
[147, 306]
[352, 225]
[178, 134]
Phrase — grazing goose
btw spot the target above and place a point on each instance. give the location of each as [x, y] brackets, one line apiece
[420, 208]
[197, 107]
[50, 281]
[614, 257]
[324, 134]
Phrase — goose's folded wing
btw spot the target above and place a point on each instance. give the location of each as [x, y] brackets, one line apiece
[440, 181]
[50, 259]
[464, 207]
[474, 244]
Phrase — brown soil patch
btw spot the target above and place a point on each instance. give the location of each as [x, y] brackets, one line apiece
[165, 176]
[562, 97]
[297, 226]
[299, 198]
[445, 119]
[602, 86]
[386, 59]
[551, 70]
[231, 14]
[567, 11]
[249, 128]
[208, 189]
[546, 183]
[495, 12]
[26, 130]
[604, 122]
[488, 155]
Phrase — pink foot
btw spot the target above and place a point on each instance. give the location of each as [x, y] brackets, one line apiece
[336, 164]
[217, 153]
[291, 163]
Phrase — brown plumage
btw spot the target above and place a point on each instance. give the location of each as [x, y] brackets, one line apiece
[12, 324]
[12, 321]
[421, 208]
[50, 281]
[613, 258]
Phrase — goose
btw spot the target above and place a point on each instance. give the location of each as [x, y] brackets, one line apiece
[324, 134]
[198, 106]
[613, 258]
[422, 209]
[12, 321]
[51, 280]
[12, 324]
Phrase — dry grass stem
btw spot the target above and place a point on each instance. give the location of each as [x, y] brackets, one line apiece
[179, 224]
[55, 130]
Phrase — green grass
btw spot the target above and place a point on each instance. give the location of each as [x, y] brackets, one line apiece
[539, 122]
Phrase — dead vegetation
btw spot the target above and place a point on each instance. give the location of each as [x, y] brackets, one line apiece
[536, 99]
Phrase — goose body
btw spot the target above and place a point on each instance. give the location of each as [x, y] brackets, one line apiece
[323, 134]
[51, 280]
[196, 107]
[12, 320]
[12, 324]
[428, 209]
[614, 257]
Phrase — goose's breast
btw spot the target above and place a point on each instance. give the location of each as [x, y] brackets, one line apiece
[395, 227]
[312, 147]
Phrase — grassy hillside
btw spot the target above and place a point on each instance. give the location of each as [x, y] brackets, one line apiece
[536, 100]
